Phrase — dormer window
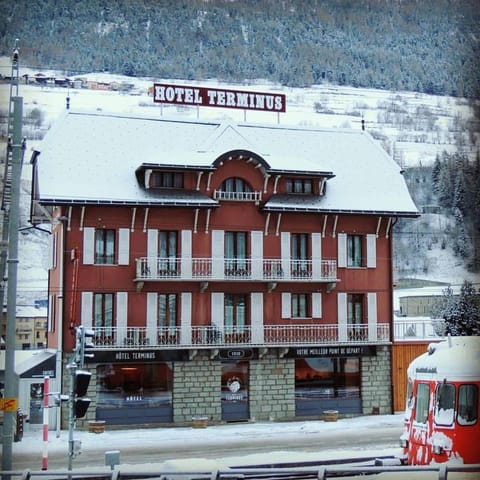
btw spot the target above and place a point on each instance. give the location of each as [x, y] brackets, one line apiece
[299, 185]
[166, 180]
[235, 188]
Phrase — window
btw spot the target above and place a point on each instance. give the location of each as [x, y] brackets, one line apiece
[354, 251]
[235, 185]
[235, 313]
[299, 185]
[167, 312]
[235, 253]
[301, 305]
[421, 403]
[355, 308]
[104, 247]
[167, 180]
[445, 396]
[299, 254]
[167, 251]
[467, 412]
[103, 317]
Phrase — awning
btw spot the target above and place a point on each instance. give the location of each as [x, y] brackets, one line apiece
[31, 363]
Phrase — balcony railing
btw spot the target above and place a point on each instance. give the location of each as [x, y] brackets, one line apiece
[237, 196]
[205, 269]
[246, 336]
[421, 329]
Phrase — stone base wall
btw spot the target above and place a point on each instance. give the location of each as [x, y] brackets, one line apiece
[196, 389]
[377, 382]
[272, 388]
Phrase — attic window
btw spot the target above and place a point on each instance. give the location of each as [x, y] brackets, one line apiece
[299, 185]
[166, 180]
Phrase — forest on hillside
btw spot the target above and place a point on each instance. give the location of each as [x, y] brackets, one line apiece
[448, 195]
[430, 46]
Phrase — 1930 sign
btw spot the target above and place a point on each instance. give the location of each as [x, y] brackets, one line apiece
[215, 97]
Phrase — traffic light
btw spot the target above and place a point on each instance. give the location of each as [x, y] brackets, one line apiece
[84, 336]
[82, 380]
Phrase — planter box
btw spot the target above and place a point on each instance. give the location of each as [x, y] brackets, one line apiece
[96, 426]
[330, 415]
[199, 422]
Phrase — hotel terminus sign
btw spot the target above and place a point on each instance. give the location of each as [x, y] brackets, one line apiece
[215, 97]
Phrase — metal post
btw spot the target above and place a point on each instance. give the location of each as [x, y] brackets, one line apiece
[11, 386]
[72, 366]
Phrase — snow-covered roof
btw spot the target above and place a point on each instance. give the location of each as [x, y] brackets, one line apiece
[92, 157]
[454, 359]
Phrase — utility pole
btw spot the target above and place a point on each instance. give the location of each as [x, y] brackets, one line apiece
[11, 194]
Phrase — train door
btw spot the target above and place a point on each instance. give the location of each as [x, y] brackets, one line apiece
[235, 405]
[419, 451]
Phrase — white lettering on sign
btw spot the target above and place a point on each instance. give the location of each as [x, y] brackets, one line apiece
[215, 97]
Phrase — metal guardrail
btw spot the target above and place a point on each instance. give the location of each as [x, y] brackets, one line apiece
[240, 336]
[411, 329]
[262, 269]
[318, 472]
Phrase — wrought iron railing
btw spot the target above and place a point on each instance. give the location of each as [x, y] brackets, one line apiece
[205, 269]
[241, 336]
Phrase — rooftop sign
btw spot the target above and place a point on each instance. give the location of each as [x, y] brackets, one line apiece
[215, 97]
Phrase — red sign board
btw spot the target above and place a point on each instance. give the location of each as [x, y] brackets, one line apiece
[216, 97]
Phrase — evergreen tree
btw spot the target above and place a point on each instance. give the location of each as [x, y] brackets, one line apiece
[460, 312]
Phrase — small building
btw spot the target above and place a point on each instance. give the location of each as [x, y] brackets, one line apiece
[233, 271]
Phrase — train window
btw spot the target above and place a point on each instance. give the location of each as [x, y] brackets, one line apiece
[467, 413]
[444, 405]
[421, 403]
[409, 394]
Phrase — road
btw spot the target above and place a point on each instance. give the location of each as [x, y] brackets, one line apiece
[217, 444]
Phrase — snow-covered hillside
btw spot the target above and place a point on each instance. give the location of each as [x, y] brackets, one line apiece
[412, 127]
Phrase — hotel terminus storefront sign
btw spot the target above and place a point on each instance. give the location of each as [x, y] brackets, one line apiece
[216, 97]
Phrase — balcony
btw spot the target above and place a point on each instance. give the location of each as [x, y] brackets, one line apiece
[237, 196]
[246, 336]
[413, 329]
[246, 269]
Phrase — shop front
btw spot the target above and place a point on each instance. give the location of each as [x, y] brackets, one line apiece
[328, 378]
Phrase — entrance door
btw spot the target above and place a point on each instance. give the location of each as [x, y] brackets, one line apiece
[235, 391]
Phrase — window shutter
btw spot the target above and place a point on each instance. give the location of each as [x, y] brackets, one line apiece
[316, 256]
[152, 317]
[217, 254]
[256, 316]
[123, 246]
[372, 315]
[342, 316]
[152, 250]
[371, 251]
[342, 250]
[88, 245]
[186, 254]
[121, 316]
[316, 305]
[256, 248]
[285, 253]
[286, 305]
[217, 310]
[86, 314]
[186, 318]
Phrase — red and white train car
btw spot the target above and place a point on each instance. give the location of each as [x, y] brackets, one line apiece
[442, 412]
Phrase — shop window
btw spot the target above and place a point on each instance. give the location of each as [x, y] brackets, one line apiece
[104, 247]
[327, 377]
[140, 390]
[467, 413]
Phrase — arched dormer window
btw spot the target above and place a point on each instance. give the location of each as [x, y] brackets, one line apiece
[235, 188]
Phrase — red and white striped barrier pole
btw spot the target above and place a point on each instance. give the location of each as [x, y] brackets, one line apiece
[46, 408]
